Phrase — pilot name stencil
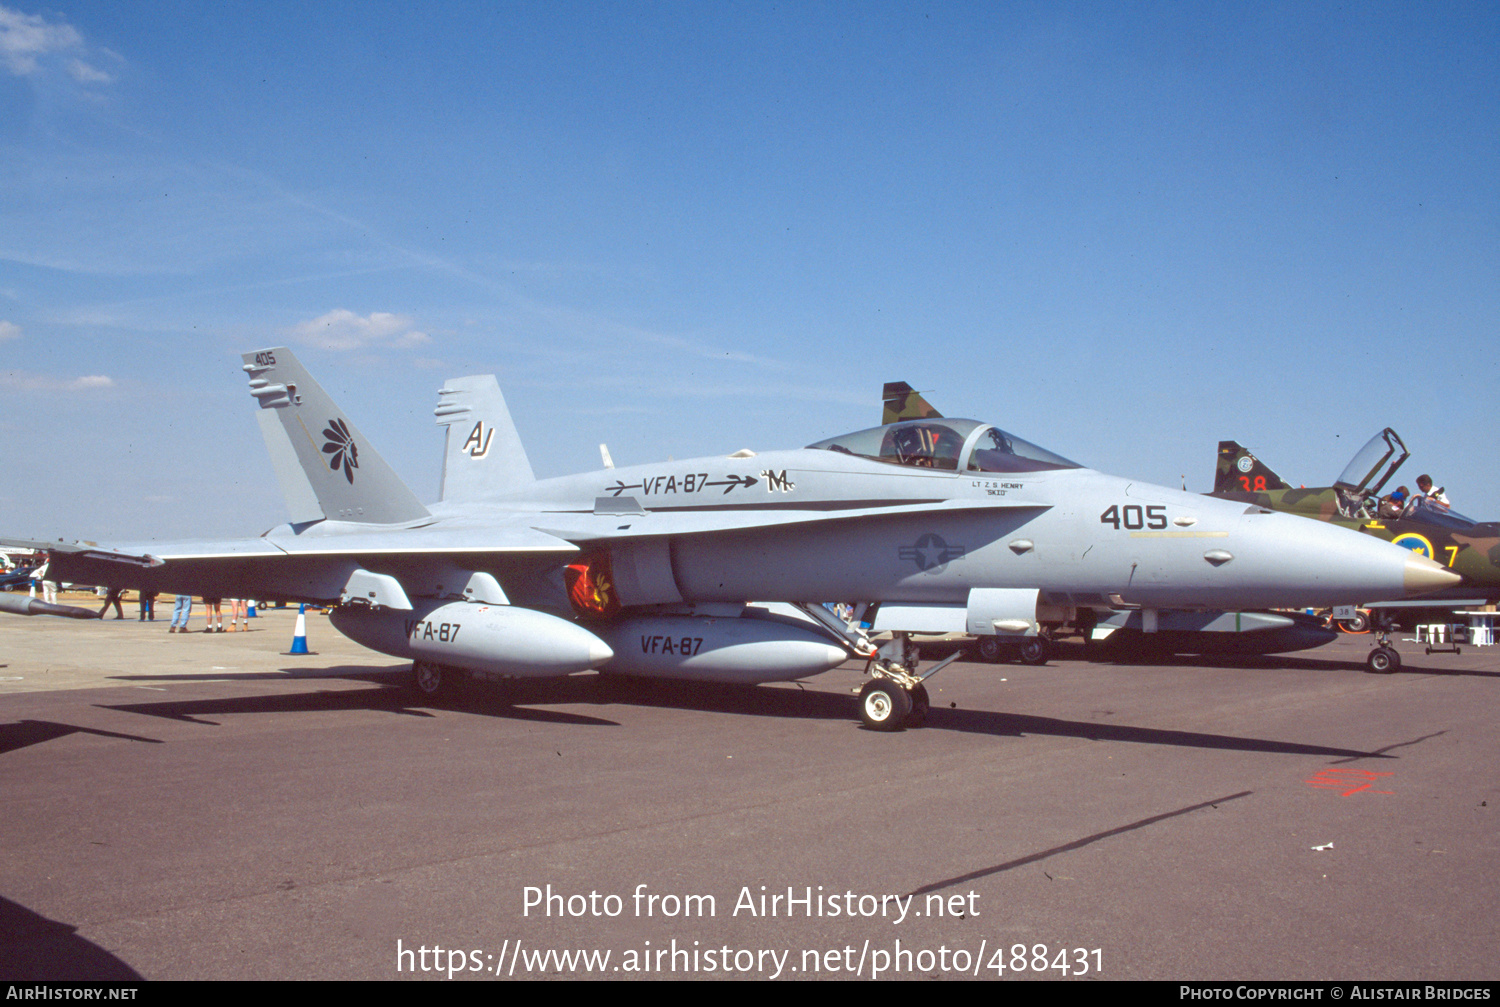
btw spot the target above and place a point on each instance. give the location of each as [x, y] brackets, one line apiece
[995, 488]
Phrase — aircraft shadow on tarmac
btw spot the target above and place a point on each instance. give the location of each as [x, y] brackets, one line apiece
[383, 698]
[522, 700]
[24, 733]
[1070, 651]
[829, 706]
[36, 949]
[1286, 662]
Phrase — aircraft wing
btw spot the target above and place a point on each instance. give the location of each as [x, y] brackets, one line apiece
[314, 566]
[528, 533]
[92, 550]
[317, 564]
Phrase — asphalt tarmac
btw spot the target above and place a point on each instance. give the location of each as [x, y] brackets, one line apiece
[205, 807]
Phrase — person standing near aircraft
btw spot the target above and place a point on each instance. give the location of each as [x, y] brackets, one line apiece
[1437, 496]
[182, 610]
[112, 597]
[49, 587]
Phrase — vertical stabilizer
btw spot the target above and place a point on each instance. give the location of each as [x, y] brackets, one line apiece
[325, 467]
[484, 456]
[1239, 471]
[903, 402]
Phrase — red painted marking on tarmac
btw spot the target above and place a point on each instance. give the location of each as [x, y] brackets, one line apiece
[1350, 781]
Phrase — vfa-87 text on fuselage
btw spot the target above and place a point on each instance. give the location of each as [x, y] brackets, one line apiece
[718, 568]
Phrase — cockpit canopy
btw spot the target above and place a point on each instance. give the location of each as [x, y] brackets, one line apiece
[1421, 508]
[950, 444]
[1358, 486]
[1361, 472]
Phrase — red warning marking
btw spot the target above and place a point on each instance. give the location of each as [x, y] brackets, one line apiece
[1349, 781]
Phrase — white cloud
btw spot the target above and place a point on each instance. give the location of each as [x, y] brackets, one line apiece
[24, 381]
[342, 329]
[24, 37]
[9, 330]
[85, 74]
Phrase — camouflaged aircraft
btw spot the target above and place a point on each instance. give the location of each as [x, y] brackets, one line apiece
[1469, 548]
[903, 402]
[950, 525]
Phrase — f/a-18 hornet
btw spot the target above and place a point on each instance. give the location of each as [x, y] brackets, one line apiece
[927, 526]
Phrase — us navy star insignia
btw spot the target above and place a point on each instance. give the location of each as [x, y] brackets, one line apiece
[931, 553]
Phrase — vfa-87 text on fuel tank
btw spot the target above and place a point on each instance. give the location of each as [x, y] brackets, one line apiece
[427, 630]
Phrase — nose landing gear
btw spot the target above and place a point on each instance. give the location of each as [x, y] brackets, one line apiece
[1383, 660]
[895, 697]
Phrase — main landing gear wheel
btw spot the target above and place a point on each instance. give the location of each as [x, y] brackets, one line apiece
[1359, 624]
[884, 705]
[432, 680]
[990, 649]
[920, 704]
[1035, 650]
[1384, 661]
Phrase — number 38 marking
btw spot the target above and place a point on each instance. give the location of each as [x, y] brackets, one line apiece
[1134, 518]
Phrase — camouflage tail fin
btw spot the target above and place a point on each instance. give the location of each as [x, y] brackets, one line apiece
[1241, 472]
[325, 467]
[903, 402]
[484, 455]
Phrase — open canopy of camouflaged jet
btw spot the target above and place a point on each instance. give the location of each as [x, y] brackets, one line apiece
[1419, 523]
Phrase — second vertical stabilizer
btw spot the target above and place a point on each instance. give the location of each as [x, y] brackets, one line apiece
[484, 455]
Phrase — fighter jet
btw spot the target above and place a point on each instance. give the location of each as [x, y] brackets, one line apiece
[930, 525]
[1416, 522]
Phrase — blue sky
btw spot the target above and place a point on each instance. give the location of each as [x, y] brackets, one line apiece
[1122, 231]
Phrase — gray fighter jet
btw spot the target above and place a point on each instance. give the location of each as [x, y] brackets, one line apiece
[930, 525]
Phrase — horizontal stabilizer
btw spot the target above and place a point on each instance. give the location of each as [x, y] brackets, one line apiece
[22, 605]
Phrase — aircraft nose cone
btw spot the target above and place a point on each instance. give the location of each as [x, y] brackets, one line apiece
[599, 652]
[1423, 575]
